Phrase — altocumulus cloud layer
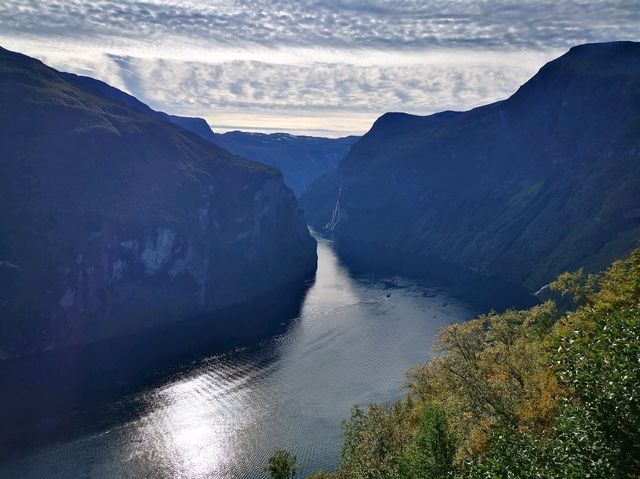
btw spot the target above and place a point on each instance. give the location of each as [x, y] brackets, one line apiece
[299, 65]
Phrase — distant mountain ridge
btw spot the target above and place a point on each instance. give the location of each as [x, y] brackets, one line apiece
[302, 159]
[523, 189]
[116, 221]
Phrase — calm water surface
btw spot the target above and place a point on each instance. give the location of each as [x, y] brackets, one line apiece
[222, 416]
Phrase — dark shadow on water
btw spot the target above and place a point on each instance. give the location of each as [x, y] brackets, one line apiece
[41, 394]
[483, 292]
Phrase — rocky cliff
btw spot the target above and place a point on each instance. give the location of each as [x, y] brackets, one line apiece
[115, 220]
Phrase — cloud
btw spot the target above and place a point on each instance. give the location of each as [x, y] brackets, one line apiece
[220, 92]
[338, 24]
[305, 64]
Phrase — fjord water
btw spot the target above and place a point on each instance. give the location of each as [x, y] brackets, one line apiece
[224, 414]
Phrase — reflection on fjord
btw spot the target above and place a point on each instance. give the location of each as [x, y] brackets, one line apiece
[222, 416]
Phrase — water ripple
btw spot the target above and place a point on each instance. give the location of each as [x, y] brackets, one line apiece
[224, 415]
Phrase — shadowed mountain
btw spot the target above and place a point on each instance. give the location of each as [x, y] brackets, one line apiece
[302, 159]
[523, 189]
[196, 125]
[115, 220]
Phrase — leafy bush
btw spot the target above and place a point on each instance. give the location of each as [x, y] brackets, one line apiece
[431, 453]
[576, 448]
[601, 368]
[282, 465]
[492, 372]
[374, 441]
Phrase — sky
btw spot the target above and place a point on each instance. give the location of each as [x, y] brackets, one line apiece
[309, 67]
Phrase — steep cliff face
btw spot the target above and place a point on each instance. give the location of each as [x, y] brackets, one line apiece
[115, 220]
[522, 189]
[302, 159]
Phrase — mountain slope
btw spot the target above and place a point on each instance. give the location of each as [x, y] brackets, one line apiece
[523, 189]
[301, 159]
[196, 125]
[115, 220]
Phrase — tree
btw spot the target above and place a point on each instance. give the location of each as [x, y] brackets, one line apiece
[282, 465]
[491, 372]
[431, 453]
[374, 440]
[600, 367]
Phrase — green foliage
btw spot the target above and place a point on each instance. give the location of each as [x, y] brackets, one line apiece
[524, 394]
[601, 367]
[578, 285]
[282, 465]
[430, 454]
[574, 449]
[374, 440]
[492, 372]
